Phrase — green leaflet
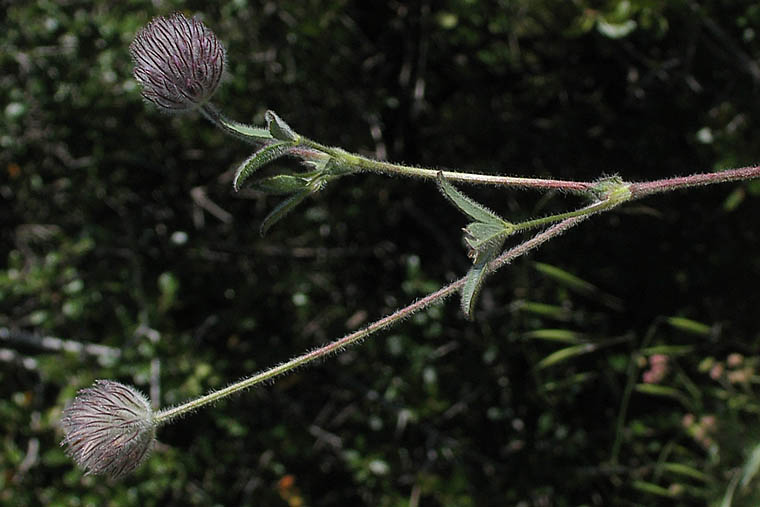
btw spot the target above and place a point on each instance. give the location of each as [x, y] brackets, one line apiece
[479, 234]
[279, 129]
[485, 236]
[248, 131]
[281, 210]
[475, 278]
[565, 354]
[262, 157]
[472, 209]
[282, 184]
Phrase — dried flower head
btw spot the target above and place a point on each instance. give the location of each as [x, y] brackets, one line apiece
[108, 428]
[178, 62]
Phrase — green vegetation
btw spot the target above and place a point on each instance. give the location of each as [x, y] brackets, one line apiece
[616, 365]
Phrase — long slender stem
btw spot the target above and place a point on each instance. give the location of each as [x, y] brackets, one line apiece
[166, 415]
[585, 211]
[669, 184]
[368, 164]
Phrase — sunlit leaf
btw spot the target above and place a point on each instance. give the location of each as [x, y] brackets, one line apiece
[555, 335]
[472, 209]
[565, 354]
[653, 489]
[262, 157]
[475, 277]
[685, 470]
[279, 129]
[750, 468]
[690, 326]
[282, 184]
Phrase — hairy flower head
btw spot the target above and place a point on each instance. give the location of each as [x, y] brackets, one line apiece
[108, 428]
[178, 61]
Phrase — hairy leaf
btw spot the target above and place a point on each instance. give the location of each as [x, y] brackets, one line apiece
[279, 129]
[262, 157]
[472, 209]
[282, 184]
[281, 210]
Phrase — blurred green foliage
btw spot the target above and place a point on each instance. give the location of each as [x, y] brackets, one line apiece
[120, 229]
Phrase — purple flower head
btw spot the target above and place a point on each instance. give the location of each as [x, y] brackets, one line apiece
[108, 428]
[178, 62]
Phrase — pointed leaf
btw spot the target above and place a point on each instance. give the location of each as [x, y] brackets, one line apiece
[472, 209]
[480, 235]
[565, 354]
[565, 278]
[555, 335]
[282, 184]
[476, 276]
[279, 129]
[681, 469]
[690, 326]
[262, 157]
[751, 467]
[654, 489]
[247, 131]
[281, 210]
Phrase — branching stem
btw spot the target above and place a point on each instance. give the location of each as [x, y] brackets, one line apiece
[167, 415]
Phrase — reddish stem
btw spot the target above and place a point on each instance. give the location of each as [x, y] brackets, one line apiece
[658, 186]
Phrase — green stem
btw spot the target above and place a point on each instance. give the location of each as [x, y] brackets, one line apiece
[615, 198]
[169, 414]
[242, 131]
[368, 164]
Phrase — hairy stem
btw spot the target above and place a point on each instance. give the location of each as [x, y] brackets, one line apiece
[166, 415]
[669, 184]
[368, 164]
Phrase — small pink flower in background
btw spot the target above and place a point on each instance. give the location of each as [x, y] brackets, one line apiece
[734, 360]
[716, 372]
[658, 368]
[702, 430]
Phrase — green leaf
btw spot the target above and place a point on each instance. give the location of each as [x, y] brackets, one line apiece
[663, 391]
[479, 234]
[690, 326]
[246, 130]
[472, 209]
[616, 30]
[551, 311]
[668, 350]
[281, 210]
[565, 278]
[652, 488]
[751, 467]
[565, 354]
[685, 470]
[572, 380]
[476, 276]
[262, 157]
[282, 184]
[279, 129]
[555, 335]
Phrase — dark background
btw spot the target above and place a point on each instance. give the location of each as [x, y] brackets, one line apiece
[119, 227]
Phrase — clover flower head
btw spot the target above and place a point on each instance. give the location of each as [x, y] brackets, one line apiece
[178, 62]
[108, 429]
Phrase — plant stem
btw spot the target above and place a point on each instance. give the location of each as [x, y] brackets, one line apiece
[585, 211]
[669, 184]
[247, 133]
[167, 415]
[368, 164]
